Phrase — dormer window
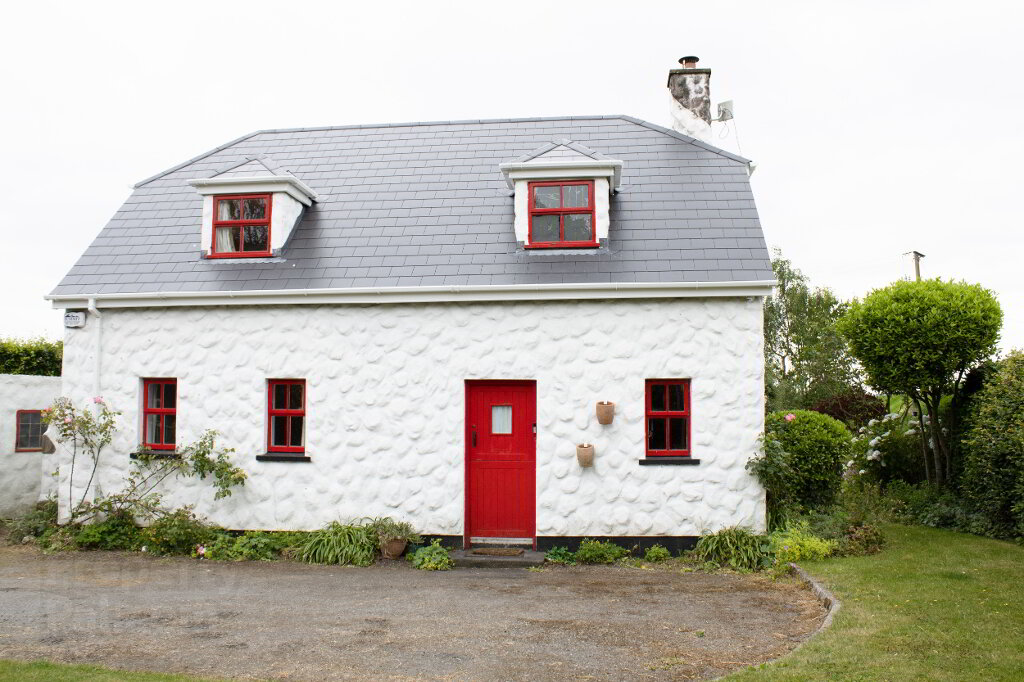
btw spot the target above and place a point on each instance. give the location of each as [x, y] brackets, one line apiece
[241, 226]
[562, 214]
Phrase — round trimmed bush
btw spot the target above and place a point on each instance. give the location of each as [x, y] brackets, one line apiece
[816, 447]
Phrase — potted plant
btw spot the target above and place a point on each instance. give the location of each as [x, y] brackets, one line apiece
[585, 454]
[393, 536]
[605, 412]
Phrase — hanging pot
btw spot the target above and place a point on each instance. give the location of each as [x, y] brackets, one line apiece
[605, 412]
[585, 454]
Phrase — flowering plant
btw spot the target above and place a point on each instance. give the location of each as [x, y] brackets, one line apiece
[887, 448]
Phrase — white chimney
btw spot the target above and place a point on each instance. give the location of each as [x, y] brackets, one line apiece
[691, 99]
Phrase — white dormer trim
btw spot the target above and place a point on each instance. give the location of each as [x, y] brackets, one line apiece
[567, 169]
[288, 184]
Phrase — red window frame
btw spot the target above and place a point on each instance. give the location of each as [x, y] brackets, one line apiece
[561, 212]
[17, 430]
[241, 225]
[161, 412]
[667, 415]
[279, 412]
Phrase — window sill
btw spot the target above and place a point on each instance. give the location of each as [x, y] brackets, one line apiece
[28, 449]
[158, 454]
[282, 457]
[669, 461]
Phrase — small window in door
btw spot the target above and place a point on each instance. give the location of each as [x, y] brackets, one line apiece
[501, 419]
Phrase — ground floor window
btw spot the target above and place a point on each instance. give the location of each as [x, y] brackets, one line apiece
[286, 415]
[29, 431]
[667, 417]
[159, 413]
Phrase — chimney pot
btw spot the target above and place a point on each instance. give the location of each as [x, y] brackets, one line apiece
[689, 62]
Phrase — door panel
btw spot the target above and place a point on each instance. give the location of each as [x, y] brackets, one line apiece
[500, 459]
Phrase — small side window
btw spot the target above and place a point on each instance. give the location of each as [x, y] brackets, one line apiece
[667, 417]
[241, 226]
[562, 214]
[29, 431]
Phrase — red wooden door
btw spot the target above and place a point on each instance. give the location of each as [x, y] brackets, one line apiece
[501, 456]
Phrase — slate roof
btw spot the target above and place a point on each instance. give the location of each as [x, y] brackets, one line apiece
[425, 204]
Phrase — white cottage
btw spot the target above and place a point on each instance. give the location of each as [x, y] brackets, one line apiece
[418, 320]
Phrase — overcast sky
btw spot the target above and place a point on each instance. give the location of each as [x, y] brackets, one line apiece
[877, 128]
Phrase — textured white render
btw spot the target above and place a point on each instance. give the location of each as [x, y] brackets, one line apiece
[386, 406]
[22, 473]
[522, 209]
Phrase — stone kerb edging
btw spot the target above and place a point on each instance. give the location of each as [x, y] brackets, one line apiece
[824, 596]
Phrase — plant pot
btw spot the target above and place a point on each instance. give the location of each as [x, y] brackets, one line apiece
[605, 412]
[585, 454]
[392, 549]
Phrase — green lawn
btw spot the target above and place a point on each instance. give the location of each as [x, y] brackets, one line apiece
[935, 605]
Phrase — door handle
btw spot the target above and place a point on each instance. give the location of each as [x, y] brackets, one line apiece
[473, 436]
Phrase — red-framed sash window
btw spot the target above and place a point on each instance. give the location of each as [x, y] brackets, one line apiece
[28, 435]
[159, 413]
[667, 417]
[241, 226]
[562, 214]
[286, 415]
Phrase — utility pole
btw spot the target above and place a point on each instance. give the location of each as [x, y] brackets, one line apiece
[917, 262]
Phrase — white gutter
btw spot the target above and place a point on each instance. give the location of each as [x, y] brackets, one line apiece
[429, 294]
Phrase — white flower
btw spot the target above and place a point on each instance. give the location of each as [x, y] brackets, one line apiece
[891, 416]
[875, 441]
[862, 429]
[872, 422]
[849, 464]
[862, 472]
[910, 432]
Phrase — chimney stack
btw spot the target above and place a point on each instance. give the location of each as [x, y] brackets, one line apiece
[691, 99]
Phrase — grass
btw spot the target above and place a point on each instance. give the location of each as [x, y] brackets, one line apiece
[42, 671]
[934, 605]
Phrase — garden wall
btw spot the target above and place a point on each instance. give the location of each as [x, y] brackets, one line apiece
[385, 413]
[22, 473]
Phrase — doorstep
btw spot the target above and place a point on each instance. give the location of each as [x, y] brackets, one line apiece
[464, 558]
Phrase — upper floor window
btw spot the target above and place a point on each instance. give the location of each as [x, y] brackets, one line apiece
[159, 413]
[286, 415]
[29, 433]
[668, 417]
[241, 226]
[562, 214]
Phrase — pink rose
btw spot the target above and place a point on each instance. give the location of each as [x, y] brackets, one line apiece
[67, 420]
[790, 417]
[98, 400]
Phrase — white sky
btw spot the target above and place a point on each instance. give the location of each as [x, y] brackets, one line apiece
[877, 127]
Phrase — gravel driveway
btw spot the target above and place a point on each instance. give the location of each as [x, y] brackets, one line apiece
[285, 620]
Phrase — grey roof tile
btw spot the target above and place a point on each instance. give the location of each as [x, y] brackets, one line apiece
[425, 204]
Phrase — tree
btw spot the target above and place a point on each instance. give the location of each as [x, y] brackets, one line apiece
[31, 356]
[921, 339]
[806, 359]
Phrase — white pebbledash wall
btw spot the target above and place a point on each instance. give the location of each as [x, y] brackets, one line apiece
[25, 477]
[385, 406]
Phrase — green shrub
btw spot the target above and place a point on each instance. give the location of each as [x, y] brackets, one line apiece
[735, 547]
[340, 544]
[178, 532]
[34, 523]
[798, 543]
[433, 557]
[853, 406]
[816, 447]
[861, 539]
[560, 555]
[117, 532]
[656, 553]
[252, 545]
[31, 356]
[597, 552]
[993, 480]
[388, 529]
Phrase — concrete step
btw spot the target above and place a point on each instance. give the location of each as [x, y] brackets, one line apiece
[464, 558]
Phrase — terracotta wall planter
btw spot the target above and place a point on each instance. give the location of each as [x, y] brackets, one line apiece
[605, 412]
[392, 549]
[585, 454]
